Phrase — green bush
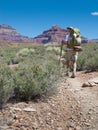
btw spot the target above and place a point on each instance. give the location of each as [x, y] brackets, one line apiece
[38, 70]
[6, 84]
[56, 50]
[37, 74]
[33, 80]
[88, 58]
[25, 51]
[15, 60]
[91, 64]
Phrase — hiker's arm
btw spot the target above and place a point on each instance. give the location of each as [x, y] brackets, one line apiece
[64, 42]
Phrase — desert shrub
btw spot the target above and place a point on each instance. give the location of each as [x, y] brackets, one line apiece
[81, 60]
[6, 84]
[1, 54]
[88, 59]
[33, 80]
[25, 51]
[56, 50]
[8, 52]
[8, 61]
[15, 60]
[91, 64]
[37, 74]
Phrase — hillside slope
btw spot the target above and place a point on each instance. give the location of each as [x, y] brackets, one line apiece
[9, 34]
[53, 35]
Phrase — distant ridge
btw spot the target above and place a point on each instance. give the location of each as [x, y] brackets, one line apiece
[8, 33]
[54, 35]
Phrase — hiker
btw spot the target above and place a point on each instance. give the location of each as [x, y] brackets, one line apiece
[71, 54]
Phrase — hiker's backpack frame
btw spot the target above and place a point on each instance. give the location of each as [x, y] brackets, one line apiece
[76, 39]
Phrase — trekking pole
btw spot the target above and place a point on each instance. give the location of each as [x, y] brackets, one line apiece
[61, 48]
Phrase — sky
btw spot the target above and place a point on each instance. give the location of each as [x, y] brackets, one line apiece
[32, 17]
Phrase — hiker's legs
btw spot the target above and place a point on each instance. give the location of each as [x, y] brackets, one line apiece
[67, 67]
[67, 64]
[74, 60]
[68, 59]
[74, 69]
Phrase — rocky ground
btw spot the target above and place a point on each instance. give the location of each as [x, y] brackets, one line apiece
[71, 107]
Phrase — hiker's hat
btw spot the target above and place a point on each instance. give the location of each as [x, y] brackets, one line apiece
[71, 28]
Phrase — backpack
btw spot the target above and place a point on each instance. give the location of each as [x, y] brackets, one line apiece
[77, 36]
[76, 39]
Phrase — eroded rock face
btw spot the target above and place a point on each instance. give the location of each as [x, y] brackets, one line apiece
[7, 33]
[54, 35]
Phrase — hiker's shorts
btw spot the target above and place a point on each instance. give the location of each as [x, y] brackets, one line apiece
[71, 55]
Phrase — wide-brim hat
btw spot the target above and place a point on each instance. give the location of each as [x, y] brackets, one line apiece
[71, 28]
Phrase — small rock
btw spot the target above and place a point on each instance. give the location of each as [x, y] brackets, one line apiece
[78, 128]
[59, 128]
[92, 84]
[16, 109]
[70, 128]
[29, 109]
[95, 80]
[87, 124]
[14, 123]
[86, 84]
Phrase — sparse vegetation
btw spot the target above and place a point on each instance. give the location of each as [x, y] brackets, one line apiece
[88, 58]
[6, 83]
[37, 73]
[38, 69]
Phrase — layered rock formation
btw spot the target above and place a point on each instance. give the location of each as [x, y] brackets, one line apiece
[54, 35]
[7, 33]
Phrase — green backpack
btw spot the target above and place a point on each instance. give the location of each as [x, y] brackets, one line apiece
[76, 37]
[75, 41]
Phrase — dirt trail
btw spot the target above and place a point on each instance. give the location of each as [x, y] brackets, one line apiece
[88, 102]
[70, 108]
